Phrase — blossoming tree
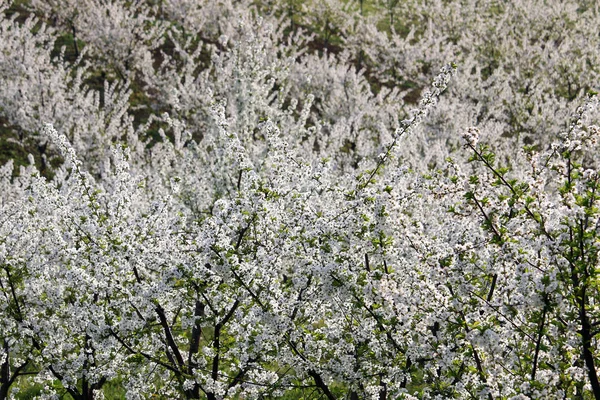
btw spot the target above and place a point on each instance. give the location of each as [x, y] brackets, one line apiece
[221, 202]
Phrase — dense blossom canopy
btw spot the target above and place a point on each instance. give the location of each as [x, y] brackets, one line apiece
[299, 199]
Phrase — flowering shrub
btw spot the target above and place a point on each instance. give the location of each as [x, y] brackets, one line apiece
[268, 200]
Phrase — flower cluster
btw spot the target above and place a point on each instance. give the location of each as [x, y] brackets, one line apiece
[270, 199]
